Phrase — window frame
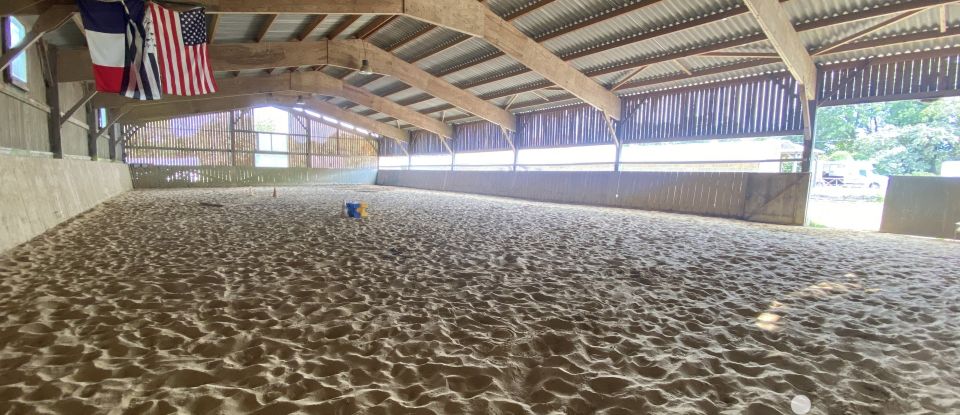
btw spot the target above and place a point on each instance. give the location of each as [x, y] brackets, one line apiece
[5, 39]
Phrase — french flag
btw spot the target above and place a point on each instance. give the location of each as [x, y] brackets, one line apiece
[119, 39]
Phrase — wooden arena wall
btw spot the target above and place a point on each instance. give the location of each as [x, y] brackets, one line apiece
[758, 197]
[922, 206]
[37, 190]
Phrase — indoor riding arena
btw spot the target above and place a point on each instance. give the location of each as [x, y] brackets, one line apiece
[470, 207]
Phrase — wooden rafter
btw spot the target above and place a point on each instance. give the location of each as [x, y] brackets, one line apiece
[523, 11]
[342, 26]
[465, 16]
[517, 45]
[26, 7]
[680, 77]
[878, 11]
[776, 24]
[628, 77]
[265, 27]
[373, 26]
[212, 27]
[208, 104]
[869, 30]
[301, 83]
[944, 18]
[311, 26]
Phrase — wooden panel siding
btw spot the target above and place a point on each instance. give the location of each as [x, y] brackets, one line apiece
[752, 107]
[930, 74]
[577, 125]
[424, 142]
[479, 136]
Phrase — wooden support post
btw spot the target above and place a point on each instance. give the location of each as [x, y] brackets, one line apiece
[52, 87]
[121, 144]
[809, 108]
[113, 141]
[93, 143]
[516, 155]
[310, 146]
[616, 141]
[233, 138]
[616, 160]
[809, 134]
[513, 146]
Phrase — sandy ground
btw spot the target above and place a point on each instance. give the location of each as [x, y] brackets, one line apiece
[441, 303]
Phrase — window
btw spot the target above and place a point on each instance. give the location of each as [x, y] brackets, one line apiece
[272, 143]
[273, 128]
[13, 33]
[102, 117]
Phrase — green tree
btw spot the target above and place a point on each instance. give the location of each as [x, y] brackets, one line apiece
[903, 137]
[914, 149]
[840, 155]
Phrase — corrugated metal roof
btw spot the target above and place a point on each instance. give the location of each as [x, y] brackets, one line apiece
[592, 44]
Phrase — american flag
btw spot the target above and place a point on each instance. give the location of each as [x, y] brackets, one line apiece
[181, 43]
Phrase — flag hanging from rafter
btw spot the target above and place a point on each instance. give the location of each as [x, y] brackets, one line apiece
[181, 43]
[123, 61]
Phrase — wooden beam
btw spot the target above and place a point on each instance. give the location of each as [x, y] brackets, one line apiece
[944, 18]
[882, 10]
[465, 16]
[510, 101]
[779, 29]
[50, 20]
[628, 77]
[729, 54]
[373, 26]
[265, 28]
[24, 7]
[531, 54]
[48, 64]
[208, 104]
[212, 28]
[87, 96]
[303, 83]
[311, 26]
[867, 31]
[75, 64]
[343, 25]
[350, 53]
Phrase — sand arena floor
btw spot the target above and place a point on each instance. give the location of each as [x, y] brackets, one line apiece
[443, 303]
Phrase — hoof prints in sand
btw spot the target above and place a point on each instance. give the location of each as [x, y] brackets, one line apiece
[440, 303]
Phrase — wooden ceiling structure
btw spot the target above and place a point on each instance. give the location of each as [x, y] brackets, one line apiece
[437, 64]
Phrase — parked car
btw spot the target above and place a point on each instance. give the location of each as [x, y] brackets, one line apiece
[852, 174]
